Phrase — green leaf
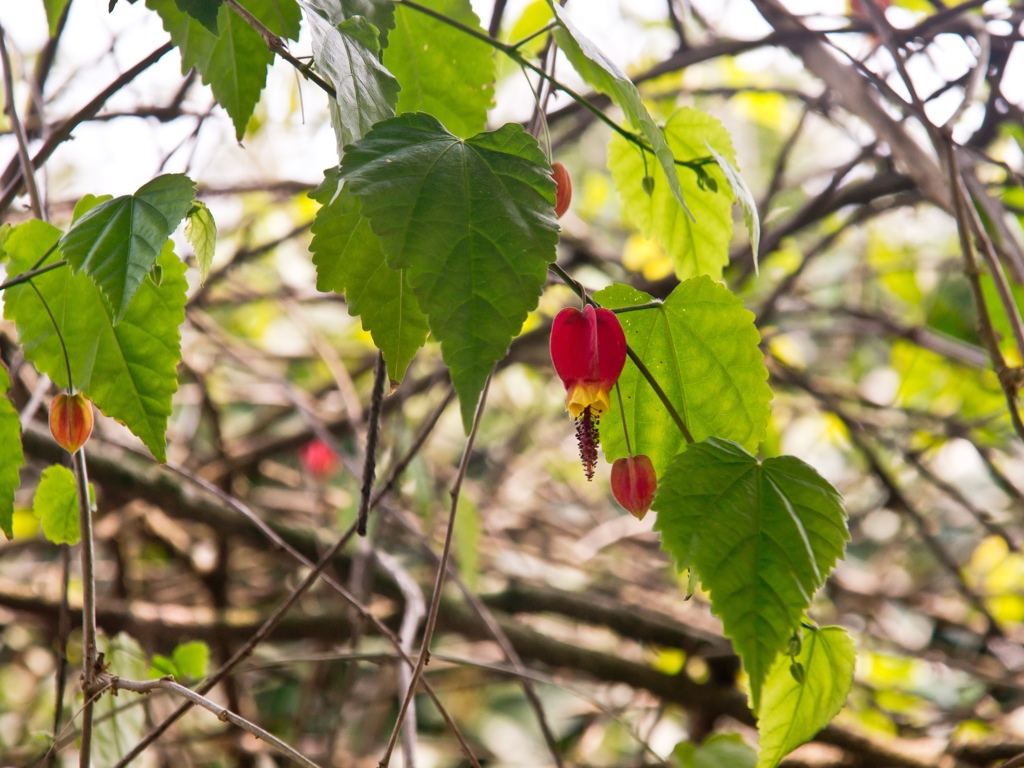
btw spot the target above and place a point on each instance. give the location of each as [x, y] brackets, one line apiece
[203, 11]
[201, 233]
[127, 370]
[744, 197]
[56, 505]
[443, 71]
[472, 220]
[54, 10]
[86, 204]
[762, 536]
[191, 659]
[347, 53]
[349, 260]
[117, 242]
[467, 541]
[791, 713]
[161, 666]
[720, 750]
[698, 245]
[701, 346]
[380, 13]
[233, 63]
[602, 75]
[12, 458]
[117, 727]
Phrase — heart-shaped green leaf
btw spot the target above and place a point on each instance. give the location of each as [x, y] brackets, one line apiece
[602, 75]
[762, 537]
[701, 345]
[698, 245]
[442, 70]
[234, 62]
[792, 712]
[128, 370]
[117, 242]
[349, 260]
[56, 505]
[472, 220]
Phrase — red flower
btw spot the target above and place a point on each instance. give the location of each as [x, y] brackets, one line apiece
[634, 484]
[318, 459]
[588, 350]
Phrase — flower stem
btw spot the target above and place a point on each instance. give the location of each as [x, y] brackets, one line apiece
[622, 410]
[89, 654]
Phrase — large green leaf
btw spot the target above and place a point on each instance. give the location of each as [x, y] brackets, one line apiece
[442, 70]
[720, 750]
[701, 346]
[698, 245]
[233, 63]
[118, 241]
[127, 370]
[11, 456]
[349, 260]
[56, 505]
[761, 536]
[792, 712]
[603, 75]
[347, 52]
[472, 220]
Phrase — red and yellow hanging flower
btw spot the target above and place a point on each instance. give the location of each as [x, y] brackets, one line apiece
[588, 349]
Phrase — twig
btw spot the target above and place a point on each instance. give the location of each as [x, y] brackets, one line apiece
[89, 654]
[63, 131]
[435, 601]
[24, 277]
[27, 171]
[224, 715]
[380, 375]
[412, 617]
[63, 630]
[274, 619]
[986, 329]
[1015, 762]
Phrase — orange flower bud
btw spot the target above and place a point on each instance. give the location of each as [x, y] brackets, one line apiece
[71, 420]
[563, 192]
[634, 484]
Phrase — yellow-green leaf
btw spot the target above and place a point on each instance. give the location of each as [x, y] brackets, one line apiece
[791, 712]
[697, 245]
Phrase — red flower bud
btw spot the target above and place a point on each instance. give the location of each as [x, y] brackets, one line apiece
[634, 484]
[588, 350]
[318, 459]
[71, 420]
[563, 192]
